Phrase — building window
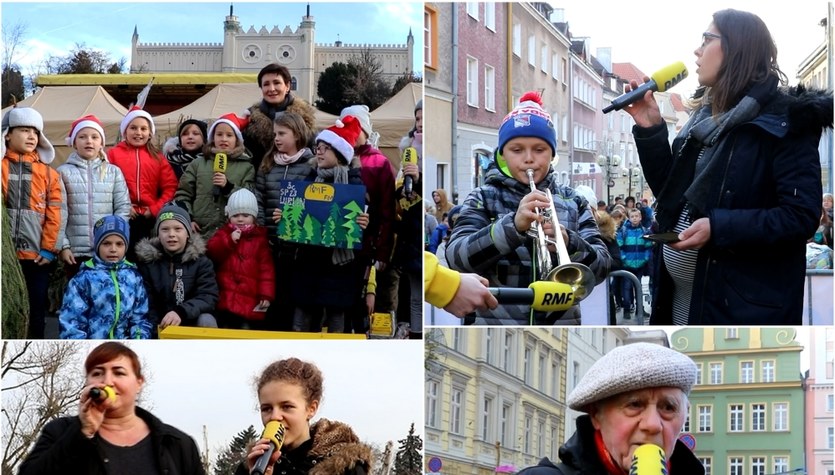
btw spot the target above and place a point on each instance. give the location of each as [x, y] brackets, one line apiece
[555, 375]
[432, 403]
[705, 419]
[532, 50]
[686, 426]
[737, 421]
[542, 371]
[486, 413]
[757, 417]
[781, 465]
[830, 403]
[735, 466]
[555, 441]
[455, 410]
[715, 373]
[746, 372]
[517, 39]
[781, 416]
[528, 430]
[528, 365]
[564, 77]
[506, 435]
[555, 66]
[768, 371]
[543, 57]
[472, 81]
[489, 88]
[698, 374]
[830, 443]
[490, 15]
[757, 465]
[472, 9]
[731, 334]
[576, 376]
[430, 36]
[706, 462]
[457, 343]
[540, 433]
[507, 351]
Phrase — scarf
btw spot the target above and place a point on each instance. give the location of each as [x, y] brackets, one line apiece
[609, 463]
[285, 159]
[337, 174]
[181, 157]
[270, 110]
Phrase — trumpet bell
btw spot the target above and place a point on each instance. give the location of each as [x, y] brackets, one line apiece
[578, 276]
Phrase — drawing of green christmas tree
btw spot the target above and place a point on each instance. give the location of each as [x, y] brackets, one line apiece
[333, 235]
[289, 228]
[353, 232]
[312, 231]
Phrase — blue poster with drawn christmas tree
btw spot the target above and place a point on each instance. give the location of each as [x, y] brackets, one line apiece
[321, 214]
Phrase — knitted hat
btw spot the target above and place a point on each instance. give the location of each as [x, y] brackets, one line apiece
[233, 120]
[172, 211]
[528, 119]
[199, 123]
[586, 192]
[631, 367]
[242, 202]
[90, 121]
[110, 224]
[342, 136]
[363, 115]
[133, 113]
[418, 106]
[27, 117]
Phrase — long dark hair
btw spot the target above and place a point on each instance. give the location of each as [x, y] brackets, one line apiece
[750, 56]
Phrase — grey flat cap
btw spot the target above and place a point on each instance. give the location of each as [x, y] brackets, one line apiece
[631, 367]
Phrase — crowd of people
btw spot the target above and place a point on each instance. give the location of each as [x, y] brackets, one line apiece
[150, 238]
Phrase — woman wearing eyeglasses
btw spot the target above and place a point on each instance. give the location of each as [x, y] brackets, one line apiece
[741, 183]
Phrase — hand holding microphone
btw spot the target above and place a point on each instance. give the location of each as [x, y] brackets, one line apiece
[409, 158]
[99, 395]
[274, 433]
[648, 459]
[542, 296]
[94, 402]
[219, 166]
[660, 81]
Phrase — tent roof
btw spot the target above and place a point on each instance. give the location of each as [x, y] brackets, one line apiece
[396, 117]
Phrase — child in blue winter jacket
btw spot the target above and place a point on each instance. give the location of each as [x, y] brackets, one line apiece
[107, 298]
[635, 253]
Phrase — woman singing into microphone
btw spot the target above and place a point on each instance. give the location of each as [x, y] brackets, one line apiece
[290, 391]
[633, 396]
[111, 434]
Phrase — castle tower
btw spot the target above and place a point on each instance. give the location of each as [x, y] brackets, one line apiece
[305, 78]
[231, 27]
[134, 57]
[410, 49]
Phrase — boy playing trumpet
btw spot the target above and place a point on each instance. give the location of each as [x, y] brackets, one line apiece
[491, 236]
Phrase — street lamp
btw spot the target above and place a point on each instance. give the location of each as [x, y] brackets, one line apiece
[608, 162]
[635, 172]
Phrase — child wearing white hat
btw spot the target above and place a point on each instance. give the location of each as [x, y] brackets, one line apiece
[33, 200]
[244, 265]
[94, 189]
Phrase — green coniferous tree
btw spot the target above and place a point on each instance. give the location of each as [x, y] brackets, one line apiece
[15, 308]
[408, 460]
[232, 456]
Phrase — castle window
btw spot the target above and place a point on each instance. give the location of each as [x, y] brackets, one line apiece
[293, 83]
[252, 54]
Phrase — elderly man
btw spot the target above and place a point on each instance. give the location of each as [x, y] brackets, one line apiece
[634, 395]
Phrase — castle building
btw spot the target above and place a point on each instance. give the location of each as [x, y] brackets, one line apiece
[247, 51]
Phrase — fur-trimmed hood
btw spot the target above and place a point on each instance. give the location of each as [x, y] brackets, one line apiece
[337, 448]
[261, 127]
[809, 110]
[150, 249]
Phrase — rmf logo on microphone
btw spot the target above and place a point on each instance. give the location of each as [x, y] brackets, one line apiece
[557, 298]
[677, 79]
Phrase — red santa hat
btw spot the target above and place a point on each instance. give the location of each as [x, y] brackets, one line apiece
[233, 120]
[90, 121]
[342, 136]
[133, 113]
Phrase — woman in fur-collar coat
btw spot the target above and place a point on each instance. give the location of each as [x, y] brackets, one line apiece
[741, 183]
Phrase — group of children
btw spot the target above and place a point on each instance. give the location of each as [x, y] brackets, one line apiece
[150, 240]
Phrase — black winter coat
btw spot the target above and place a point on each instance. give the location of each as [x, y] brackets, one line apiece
[579, 456]
[62, 448]
[159, 270]
[766, 205]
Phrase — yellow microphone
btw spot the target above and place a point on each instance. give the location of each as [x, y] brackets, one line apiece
[662, 80]
[274, 432]
[648, 459]
[219, 167]
[543, 296]
[409, 158]
[99, 395]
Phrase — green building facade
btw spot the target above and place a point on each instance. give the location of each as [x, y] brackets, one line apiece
[746, 409]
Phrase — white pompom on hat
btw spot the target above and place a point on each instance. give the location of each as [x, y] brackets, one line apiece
[342, 136]
[363, 115]
[27, 117]
[242, 201]
[233, 120]
[632, 367]
[88, 121]
[133, 113]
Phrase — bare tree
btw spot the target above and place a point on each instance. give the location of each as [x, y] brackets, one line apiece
[12, 39]
[370, 87]
[40, 382]
[12, 78]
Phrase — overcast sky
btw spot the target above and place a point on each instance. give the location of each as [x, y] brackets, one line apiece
[55, 28]
[652, 35]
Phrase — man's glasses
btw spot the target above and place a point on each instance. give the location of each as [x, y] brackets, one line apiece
[707, 37]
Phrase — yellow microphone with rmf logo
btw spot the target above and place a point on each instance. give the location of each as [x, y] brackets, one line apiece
[219, 167]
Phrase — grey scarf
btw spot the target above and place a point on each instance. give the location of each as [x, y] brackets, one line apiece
[337, 174]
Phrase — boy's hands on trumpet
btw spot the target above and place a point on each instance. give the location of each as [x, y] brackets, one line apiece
[527, 214]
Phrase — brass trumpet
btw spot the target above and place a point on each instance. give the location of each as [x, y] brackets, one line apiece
[579, 277]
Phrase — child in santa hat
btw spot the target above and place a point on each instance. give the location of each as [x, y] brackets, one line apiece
[32, 194]
[107, 298]
[150, 179]
[331, 278]
[491, 238]
[204, 191]
[94, 188]
[186, 146]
